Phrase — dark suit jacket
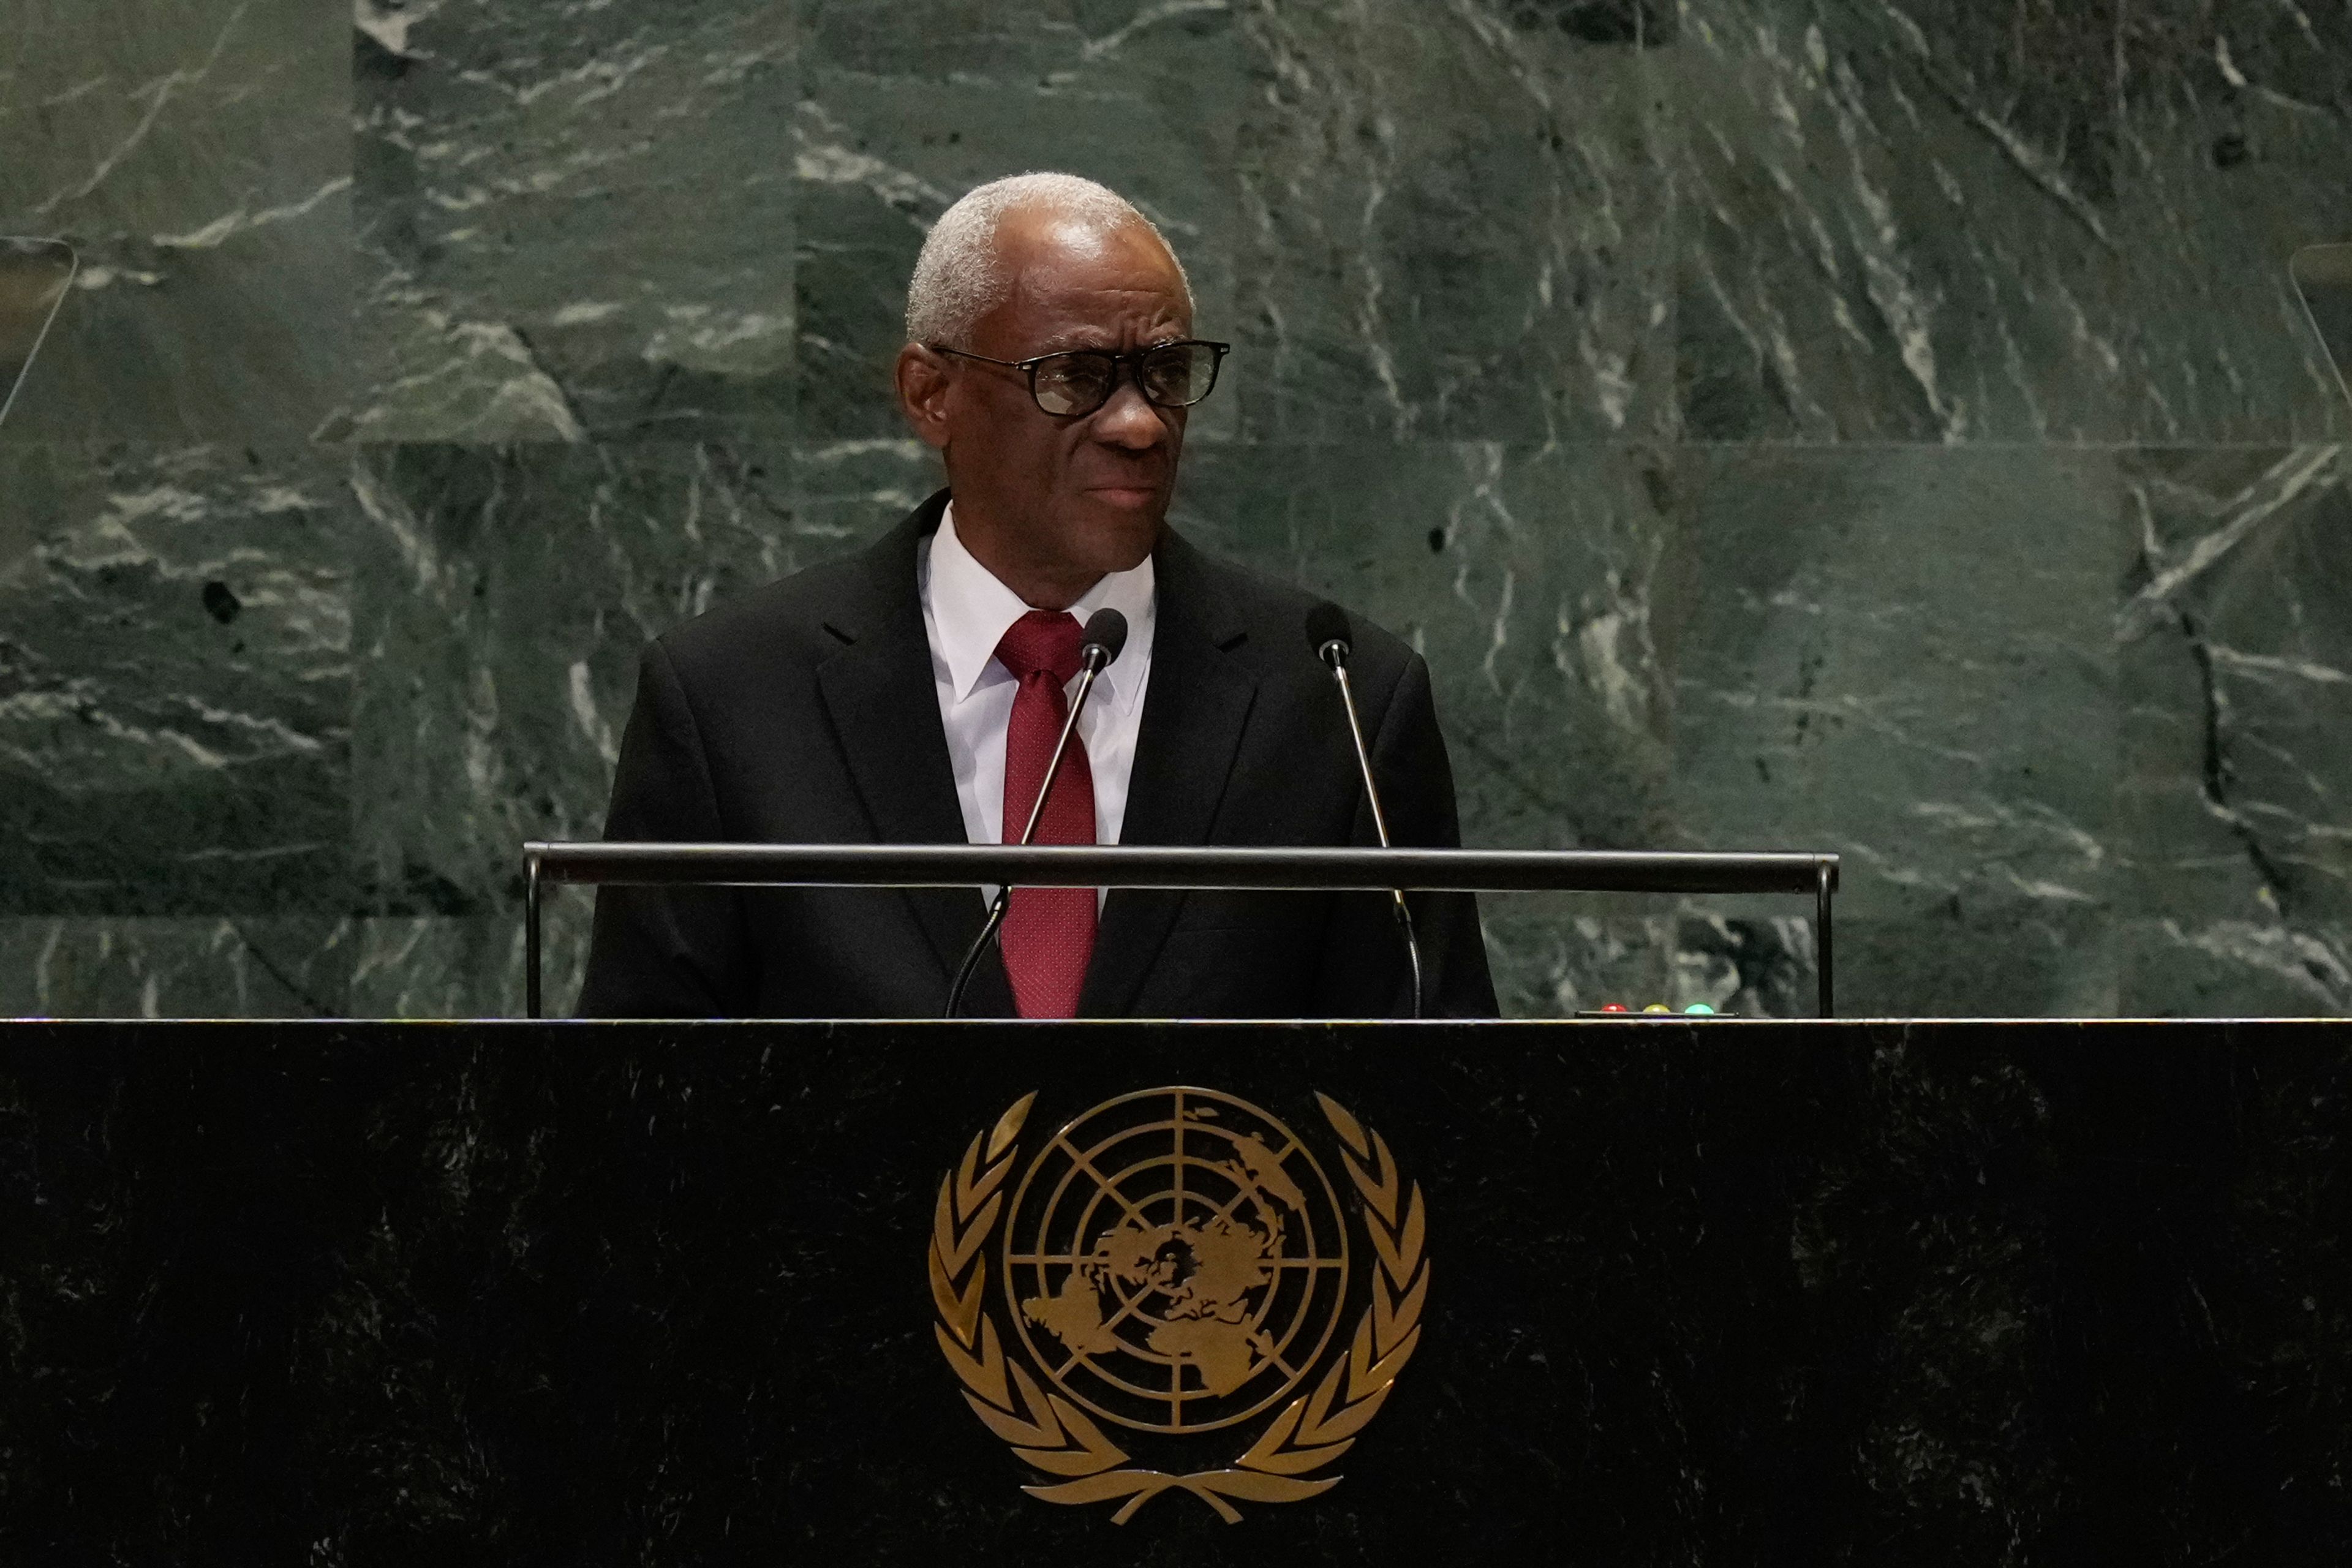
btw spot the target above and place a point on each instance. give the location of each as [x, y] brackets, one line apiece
[806, 712]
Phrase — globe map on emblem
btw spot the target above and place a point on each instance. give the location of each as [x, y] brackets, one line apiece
[1175, 1260]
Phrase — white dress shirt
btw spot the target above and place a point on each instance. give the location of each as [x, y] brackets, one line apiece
[966, 612]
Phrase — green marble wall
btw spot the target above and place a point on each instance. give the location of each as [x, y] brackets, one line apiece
[1783, 423]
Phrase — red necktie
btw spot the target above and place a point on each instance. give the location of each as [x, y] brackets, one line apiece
[1049, 932]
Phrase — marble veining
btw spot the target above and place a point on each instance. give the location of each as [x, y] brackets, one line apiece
[224, 967]
[2238, 653]
[1944, 221]
[196, 155]
[538, 264]
[1877, 425]
[175, 670]
[1402, 161]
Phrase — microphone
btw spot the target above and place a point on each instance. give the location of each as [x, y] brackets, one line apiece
[1100, 642]
[1326, 634]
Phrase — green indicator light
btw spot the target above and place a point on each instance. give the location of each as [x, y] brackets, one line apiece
[1699, 1010]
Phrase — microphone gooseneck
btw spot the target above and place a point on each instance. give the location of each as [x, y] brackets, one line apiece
[1100, 642]
[1327, 633]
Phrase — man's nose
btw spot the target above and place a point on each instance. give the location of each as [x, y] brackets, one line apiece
[1128, 419]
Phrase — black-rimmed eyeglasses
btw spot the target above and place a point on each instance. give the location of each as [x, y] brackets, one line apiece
[1077, 382]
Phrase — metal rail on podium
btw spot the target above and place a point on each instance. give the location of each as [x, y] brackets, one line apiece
[1189, 870]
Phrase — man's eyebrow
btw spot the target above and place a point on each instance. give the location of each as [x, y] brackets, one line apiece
[1093, 338]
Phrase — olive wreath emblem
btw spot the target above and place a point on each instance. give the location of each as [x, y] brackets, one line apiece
[1052, 1434]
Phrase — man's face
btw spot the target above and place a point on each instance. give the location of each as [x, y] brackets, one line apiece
[1058, 499]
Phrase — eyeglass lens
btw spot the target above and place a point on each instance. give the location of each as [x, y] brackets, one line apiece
[1080, 381]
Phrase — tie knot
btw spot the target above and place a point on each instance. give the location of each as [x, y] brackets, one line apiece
[1043, 641]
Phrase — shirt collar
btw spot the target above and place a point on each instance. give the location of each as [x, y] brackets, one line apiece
[972, 611]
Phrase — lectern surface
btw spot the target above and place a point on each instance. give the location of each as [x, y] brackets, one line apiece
[1739, 1293]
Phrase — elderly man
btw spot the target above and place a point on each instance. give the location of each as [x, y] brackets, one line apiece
[911, 693]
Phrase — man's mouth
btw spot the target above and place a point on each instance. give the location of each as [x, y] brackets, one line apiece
[1135, 496]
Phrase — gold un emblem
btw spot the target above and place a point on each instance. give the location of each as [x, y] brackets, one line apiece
[1175, 1263]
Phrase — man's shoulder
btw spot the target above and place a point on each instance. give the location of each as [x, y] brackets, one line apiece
[1272, 614]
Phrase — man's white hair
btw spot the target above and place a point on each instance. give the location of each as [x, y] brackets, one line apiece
[959, 277]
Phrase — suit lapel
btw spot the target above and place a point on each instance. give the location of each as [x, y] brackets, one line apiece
[1194, 712]
[879, 694]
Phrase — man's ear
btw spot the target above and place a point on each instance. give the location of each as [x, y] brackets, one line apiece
[922, 380]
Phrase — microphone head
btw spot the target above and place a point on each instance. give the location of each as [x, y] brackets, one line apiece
[1327, 633]
[1105, 629]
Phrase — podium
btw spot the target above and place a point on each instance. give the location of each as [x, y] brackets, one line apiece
[1728, 1292]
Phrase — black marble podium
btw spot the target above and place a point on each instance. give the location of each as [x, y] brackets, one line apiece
[1725, 1293]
